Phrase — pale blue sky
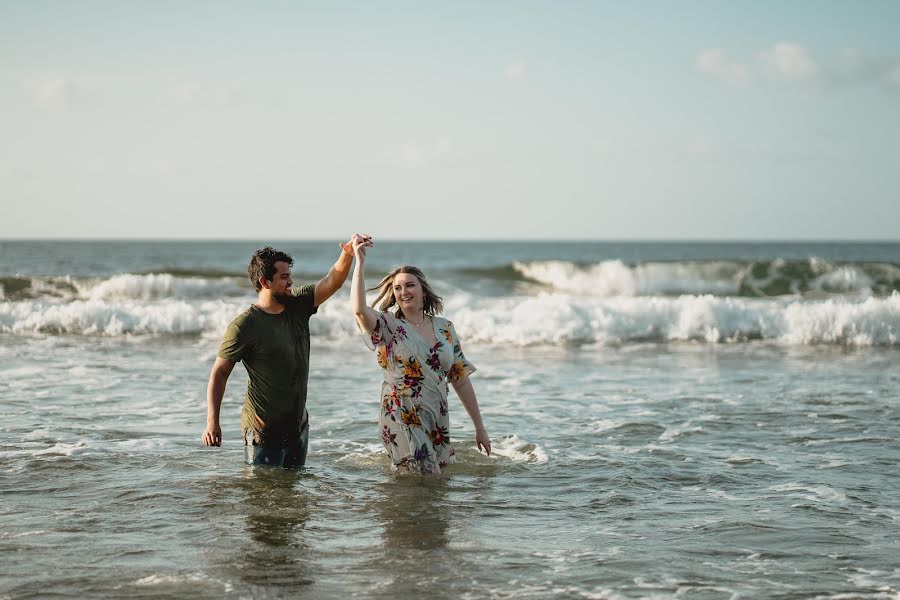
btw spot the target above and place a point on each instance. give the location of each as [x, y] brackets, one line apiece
[697, 120]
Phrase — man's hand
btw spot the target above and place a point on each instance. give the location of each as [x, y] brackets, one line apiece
[349, 247]
[337, 275]
[215, 390]
[212, 435]
[359, 245]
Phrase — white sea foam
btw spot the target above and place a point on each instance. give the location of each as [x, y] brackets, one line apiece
[158, 286]
[813, 493]
[842, 279]
[139, 445]
[545, 319]
[21, 372]
[37, 434]
[181, 580]
[66, 449]
[559, 319]
[6, 534]
[674, 432]
[873, 321]
[63, 288]
[615, 278]
[95, 317]
[126, 286]
[545, 590]
[514, 448]
[881, 580]
[600, 425]
[35, 444]
[352, 451]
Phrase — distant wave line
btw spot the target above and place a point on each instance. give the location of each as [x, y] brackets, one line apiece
[610, 278]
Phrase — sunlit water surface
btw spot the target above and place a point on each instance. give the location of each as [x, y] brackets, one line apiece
[668, 420]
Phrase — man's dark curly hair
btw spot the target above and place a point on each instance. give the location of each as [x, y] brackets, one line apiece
[262, 264]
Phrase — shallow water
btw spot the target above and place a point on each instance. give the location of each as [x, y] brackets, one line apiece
[706, 471]
[669, 469]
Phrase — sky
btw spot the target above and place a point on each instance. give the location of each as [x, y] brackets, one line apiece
[450, 120]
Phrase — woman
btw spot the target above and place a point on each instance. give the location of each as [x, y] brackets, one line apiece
[418, 353]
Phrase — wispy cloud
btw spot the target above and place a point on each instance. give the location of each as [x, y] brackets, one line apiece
[419, 154]
[788, 62]
[56, 93]
[180, 90]
[792, 63]
[516, 70]
[701, 146]
[854, 67]
[893, 78]
[60, 92]
[713, 62]
[64, 91]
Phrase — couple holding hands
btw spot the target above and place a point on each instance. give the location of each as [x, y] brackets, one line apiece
[418, 351]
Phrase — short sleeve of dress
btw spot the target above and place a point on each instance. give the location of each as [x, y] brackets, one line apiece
[234, 344]
[461, 368]
[383, 334]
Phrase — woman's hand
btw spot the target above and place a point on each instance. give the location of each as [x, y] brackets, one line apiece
[366, 318]
[360, 244]
[466, 394]
[347, 247]
[483, 441]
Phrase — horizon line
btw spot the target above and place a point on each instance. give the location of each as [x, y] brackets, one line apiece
[464, 240]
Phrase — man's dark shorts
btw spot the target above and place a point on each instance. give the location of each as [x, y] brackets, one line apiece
[290, 455]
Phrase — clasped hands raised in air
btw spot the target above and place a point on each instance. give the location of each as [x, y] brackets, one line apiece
[357, 242]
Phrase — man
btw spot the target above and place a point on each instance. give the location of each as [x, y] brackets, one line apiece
[272, 340]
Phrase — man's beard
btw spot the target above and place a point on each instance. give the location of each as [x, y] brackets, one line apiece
[282, 299]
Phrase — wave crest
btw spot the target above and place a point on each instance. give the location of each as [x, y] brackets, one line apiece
[558, 320]
[159, 286]
[813, 277]
[128, 286]
[547, 319]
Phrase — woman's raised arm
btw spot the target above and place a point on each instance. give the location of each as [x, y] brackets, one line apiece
[365, 316]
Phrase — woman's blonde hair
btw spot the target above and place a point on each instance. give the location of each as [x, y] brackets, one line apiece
[432, 303]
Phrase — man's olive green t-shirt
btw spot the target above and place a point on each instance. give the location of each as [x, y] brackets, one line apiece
[275, 352]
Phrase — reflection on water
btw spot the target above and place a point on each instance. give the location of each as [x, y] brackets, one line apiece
[274, 551]
[426, 526]
[276, 508]
[413, 513]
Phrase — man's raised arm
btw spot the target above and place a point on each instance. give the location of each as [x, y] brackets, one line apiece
[337, 275]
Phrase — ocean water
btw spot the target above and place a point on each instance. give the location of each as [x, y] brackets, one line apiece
[670, 420]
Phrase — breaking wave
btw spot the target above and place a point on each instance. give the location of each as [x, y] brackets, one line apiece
[151, 286]
[813, 277]
[543, 319]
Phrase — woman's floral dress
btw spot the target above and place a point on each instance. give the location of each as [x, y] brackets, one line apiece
[413, 418]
